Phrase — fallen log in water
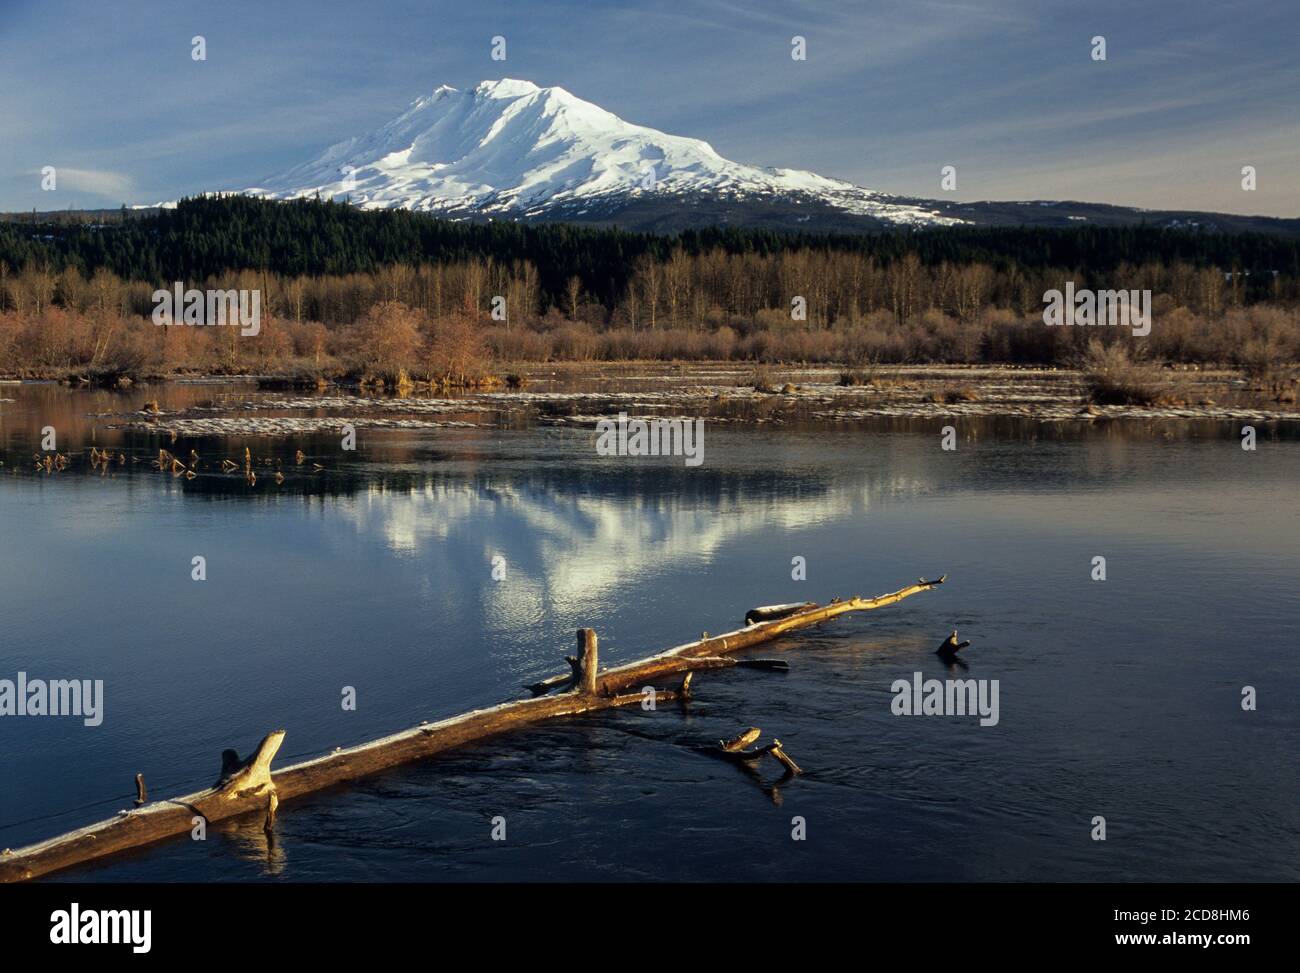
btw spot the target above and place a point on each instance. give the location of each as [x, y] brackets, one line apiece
[250, 786]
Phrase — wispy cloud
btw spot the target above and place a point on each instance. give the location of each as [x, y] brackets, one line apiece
[96, 182]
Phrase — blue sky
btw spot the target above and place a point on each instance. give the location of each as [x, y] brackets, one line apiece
[1005, 90]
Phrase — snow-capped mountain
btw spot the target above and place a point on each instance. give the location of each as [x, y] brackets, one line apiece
[510, 149]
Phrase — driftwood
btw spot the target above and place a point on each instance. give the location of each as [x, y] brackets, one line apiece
[734, 749]
[774, 748]
[739, 743]
[250, 786]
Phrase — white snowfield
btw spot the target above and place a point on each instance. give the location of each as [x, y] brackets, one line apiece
[511, 148]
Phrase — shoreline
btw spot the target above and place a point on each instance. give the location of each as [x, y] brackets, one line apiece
[571, 395]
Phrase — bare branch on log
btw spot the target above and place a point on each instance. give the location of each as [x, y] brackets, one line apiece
[251, 776]
[585, 679]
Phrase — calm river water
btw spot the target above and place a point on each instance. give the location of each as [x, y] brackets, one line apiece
[1119, 698]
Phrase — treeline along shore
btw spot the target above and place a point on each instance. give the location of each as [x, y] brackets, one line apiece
[392, 294]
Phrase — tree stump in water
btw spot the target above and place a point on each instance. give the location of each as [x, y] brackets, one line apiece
[950, 646]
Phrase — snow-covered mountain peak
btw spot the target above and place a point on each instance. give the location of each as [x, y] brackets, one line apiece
[511, 148]
[507, 88]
